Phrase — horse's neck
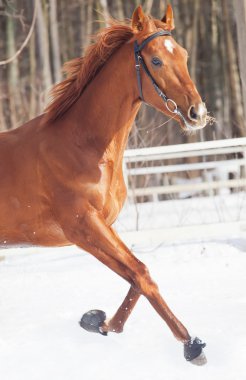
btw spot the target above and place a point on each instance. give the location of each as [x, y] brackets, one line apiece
[106, 110]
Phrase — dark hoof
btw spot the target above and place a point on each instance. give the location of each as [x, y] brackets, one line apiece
[193, 351]
[93, 320]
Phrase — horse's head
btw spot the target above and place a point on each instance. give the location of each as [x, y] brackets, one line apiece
[163, 77]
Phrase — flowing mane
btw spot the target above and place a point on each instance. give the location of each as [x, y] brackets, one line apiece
[81, 71]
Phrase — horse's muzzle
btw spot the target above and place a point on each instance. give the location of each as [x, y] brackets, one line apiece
[198, 114]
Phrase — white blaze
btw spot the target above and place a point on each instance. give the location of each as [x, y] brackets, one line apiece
[169, 45]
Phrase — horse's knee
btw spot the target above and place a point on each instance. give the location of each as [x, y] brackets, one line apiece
[143, 281]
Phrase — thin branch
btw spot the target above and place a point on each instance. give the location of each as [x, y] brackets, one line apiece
[15, 16]
[11, 59]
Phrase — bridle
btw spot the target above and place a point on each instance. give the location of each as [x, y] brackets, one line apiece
[139, 61]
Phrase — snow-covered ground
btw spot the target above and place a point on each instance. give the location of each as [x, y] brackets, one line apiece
[183, 212]
[44, 292]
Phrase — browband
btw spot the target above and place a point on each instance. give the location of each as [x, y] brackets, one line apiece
[138, 48]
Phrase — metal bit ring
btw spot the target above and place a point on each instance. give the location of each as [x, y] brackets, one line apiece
[171, 102]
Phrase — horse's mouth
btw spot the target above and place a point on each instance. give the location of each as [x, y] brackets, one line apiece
[189, 126]
[187, 123]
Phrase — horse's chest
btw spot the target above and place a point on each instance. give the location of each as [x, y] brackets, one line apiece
[113, 191]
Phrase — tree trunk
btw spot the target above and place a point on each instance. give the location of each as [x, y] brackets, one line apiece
[13, 75]
[148, 5]
[240, 10]
[43, 51]
[235, 90]
[117, 10]
[54, 38]
[2, 119]
[106, 15]
[32, 76]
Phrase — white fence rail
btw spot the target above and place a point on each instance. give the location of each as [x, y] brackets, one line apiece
[222, 165]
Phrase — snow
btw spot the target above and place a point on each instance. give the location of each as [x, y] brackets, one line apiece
[44, 292]
[184, 212]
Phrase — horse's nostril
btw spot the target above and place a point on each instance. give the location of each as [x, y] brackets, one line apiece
[192, 113]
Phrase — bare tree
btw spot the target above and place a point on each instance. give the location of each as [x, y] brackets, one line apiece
[43, 49]
[54, 38]
[13, 74]
[240, 10]
[235, 90]
[104, 5]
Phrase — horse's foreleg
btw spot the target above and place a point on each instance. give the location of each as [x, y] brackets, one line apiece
[93, 235]
[116, 323]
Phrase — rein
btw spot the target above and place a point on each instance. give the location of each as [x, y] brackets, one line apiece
[139, 61]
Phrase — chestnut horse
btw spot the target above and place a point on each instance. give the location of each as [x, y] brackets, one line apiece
[61, 173]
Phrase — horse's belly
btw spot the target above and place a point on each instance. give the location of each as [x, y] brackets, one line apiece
[51, 235]
[32, 234]
[23, 222]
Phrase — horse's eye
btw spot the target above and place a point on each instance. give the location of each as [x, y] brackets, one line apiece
[156, 61]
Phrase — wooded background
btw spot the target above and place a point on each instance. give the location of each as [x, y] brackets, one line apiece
[213, 32]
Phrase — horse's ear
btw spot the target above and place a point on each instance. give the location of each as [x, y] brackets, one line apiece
[168, 18]
[139, 19]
